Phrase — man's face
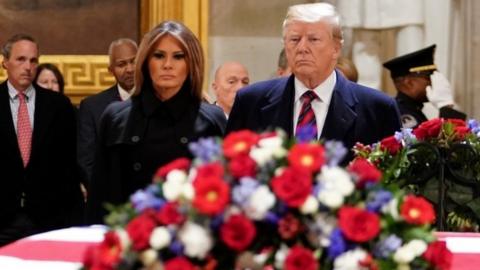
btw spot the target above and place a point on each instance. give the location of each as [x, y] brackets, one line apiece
[122, 64]
[417, 85]
[228, 80]
[311, 50]
[22, 64]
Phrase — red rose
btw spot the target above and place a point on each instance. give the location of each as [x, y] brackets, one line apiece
[306, 156]
[391, 145]
[169, 214]
[239, 143]
[292, 186]
[438, 254]
[300, 258]
[238, 232]
[179, 263]
[289, 226]
[460, 132]
[210, 170]
[417, 210]
[177, 164]
[211, 195]
[104, 256]
[428, 129]
[241, 166]
[365, 172]
[358, 225]
[140, 229]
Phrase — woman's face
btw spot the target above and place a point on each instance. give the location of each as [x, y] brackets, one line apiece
[167, 67]
[47, 79]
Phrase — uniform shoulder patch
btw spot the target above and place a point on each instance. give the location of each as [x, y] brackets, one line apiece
[408, 121]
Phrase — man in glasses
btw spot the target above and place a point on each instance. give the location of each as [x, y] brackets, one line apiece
[417, 81]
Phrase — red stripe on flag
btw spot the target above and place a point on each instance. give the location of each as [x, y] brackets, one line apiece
[44, 250]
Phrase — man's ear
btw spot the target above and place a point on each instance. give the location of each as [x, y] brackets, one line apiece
[3, 64]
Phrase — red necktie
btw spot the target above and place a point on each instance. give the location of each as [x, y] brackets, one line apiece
[307, 125]
[24, 129]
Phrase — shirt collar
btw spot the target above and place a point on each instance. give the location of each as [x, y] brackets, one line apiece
[12, 92]
[124, 94]
[324, 90]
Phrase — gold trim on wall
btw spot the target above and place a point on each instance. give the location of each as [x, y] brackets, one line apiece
[84, 74]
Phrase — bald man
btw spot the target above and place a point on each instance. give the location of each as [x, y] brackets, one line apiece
[229, 78]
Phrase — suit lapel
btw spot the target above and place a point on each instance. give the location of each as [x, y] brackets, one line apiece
[6, 121]
[341, 112]
[43, 115]
[278, 111]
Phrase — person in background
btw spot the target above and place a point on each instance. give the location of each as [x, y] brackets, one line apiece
[39, 190]
[229, 78]
[417, 81]
[122, 53]
[49, 77]
[347, 68]
[315, 97]
[156, 125]
[283, 69]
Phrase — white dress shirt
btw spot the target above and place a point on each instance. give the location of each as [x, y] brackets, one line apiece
[320, 105]
[124, 94]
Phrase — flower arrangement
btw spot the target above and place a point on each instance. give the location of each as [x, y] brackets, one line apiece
[258, 201]
[438, 160]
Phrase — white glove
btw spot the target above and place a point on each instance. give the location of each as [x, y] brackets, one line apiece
[440, 92]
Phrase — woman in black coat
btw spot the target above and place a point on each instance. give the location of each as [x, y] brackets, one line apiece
[164, 115]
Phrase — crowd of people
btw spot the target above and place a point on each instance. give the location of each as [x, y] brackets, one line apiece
[62, 165]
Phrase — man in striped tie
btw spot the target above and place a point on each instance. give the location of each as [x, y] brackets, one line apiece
[316, 101]
[39, 187]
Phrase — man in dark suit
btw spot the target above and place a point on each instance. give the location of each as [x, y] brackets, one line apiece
[122, 54]
[315, 95]
[39, 189]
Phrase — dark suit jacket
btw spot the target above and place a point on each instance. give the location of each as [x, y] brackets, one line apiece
[91, 108]
[49, 183]
[356, 113]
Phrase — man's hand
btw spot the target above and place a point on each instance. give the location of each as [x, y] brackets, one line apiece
[440, 92]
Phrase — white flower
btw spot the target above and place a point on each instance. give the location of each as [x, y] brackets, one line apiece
[260, 202]
[310, 205]
[160, 238]
[404, 255]
[417, 246]
[280, 256]
[261, 155]
[124, 238]
[349, 260]
[196, 240]
[188, 192]
[173, 186]
[148, 257]
[330, 199]
[335, 178]
[392, 208]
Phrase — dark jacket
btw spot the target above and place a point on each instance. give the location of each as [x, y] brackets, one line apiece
[412, 114]
[49, 184]
[138, 136]
[356, 113]
[91, 108]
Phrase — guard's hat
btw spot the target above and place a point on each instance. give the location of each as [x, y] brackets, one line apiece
[418, 62]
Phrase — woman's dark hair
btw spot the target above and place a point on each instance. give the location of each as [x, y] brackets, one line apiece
[56, 72]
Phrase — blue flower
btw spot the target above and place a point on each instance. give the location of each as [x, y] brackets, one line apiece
[387, 246]
[143, 199]
[406, 135]
[335, 152]
[242, 192]
[205, 149]
[338, 245]
[376, 200]
[306, 133]
[474, 126]
[176, 248]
